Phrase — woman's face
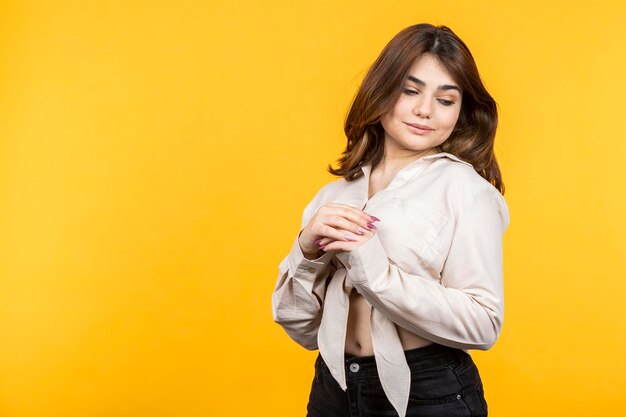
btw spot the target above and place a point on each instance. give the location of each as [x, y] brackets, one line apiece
[425, 113]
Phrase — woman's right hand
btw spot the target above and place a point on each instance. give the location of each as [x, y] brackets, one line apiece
[335, 222]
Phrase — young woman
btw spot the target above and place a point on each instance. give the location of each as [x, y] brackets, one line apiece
[397, 270]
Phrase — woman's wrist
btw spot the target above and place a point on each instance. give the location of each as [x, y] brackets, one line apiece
[307, 252]
[310, 255]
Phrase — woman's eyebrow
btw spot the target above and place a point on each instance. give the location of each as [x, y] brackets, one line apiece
[441, 87]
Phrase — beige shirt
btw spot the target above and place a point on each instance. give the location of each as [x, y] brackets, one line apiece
[433, 267]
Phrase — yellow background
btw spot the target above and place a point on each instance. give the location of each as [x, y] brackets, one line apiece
[155, 158]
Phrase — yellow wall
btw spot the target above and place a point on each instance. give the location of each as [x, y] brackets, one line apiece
[155, 158]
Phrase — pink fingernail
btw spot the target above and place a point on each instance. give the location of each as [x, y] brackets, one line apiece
[360, 231]
[351, 239]
[375, 219]
[371, 226]
[323, 247]
[318, 241]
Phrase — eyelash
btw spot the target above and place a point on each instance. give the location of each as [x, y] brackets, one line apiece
[410, 92]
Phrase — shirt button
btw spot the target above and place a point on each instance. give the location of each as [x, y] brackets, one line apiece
[354, 367]
[311, 270]
[458, 397]
[348, 266]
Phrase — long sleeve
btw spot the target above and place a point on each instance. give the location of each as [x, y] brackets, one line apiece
[299, 293]
[463, 310]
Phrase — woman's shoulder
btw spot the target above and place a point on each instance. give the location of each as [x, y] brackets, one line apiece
[460, 173]
[464, 184]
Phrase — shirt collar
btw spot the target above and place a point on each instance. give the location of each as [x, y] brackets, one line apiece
[367, 168]
[402, 177]
[446, 155]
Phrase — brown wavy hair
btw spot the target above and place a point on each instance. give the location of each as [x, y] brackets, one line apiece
[473, 136]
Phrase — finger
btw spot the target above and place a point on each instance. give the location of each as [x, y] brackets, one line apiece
[325, 231]
[339, 246]
[353, 213]
[325, 241]
[338, 221]
[369, 217]
[348, 233]
[348, 243]
[361, 220]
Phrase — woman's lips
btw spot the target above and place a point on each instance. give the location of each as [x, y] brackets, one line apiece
[419, 129]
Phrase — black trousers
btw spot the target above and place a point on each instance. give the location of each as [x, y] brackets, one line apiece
[444, 383]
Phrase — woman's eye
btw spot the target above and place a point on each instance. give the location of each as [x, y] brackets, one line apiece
[409, 92]
[446, 102]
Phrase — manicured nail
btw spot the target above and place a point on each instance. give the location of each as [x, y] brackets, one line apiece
[371, 226]
[351, 239]
[318, 241]
[360, 231]
[375, 219]
[323, 247]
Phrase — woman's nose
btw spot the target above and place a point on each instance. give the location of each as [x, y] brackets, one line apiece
[422, 108]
